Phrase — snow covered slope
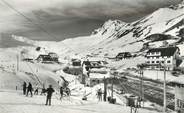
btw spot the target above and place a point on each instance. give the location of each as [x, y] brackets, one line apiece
[13, 71]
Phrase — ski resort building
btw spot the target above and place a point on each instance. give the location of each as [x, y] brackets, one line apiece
[54, 56]
[123, 55]
[93, 73]
[51, 57]
[76, 62]
[156, 58]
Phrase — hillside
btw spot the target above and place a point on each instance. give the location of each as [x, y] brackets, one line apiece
[14, 71]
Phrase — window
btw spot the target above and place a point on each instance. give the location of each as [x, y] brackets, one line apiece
[157, 61]
[152, 67]
[157, 52]
[153, 62]
[168, 61]
[148, 57]
[148, 62]
[157, 57]
[162, 61]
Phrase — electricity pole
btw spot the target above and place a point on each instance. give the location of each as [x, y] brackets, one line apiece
[142, 88]
[113, 72]
[17, 63]
[164, 109]
[105, 89]
[112, 87]
[141, 68]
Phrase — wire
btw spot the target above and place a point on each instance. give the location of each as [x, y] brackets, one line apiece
[35, 24]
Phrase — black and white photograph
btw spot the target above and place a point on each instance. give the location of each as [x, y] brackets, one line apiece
[91, 56]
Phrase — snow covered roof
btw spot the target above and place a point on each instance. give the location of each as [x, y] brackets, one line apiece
[44, 56]
[99, 76]
[167, 51]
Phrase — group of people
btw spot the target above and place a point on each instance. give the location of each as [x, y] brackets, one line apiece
[27, 89]
[49, 91]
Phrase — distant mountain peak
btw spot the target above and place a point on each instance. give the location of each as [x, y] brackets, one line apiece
[110, 25]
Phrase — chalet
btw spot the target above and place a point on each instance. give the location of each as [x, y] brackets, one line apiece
[76, 62]
[43, 58]
[93, 72]
[168, 55]
[51, 57]
[95, 63]
[123, 55]
[94, 77]
[54, 56]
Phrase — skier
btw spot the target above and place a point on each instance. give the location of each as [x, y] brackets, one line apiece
[43, 90]
[29, 89]
[36, 90]
[61, 92]
[49, 91]
[99, 95]
[68, 92]
[24, 88]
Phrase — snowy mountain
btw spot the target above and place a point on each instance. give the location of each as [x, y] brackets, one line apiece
[116, 36]
[120, 35]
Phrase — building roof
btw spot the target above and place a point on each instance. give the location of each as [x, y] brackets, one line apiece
[99, 76]
[167, 51]
[43, 56]
[51, 53]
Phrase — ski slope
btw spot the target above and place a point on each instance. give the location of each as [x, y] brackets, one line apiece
[15, 102]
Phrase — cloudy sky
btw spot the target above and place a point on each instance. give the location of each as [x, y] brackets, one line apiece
[69, 18]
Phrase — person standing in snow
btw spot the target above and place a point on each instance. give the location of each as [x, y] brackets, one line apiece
[24, 88]
[49, 91]
[36, 90]
[99, 94]
[29, 89]
[43, 90]
[61, 92]
[68, 92]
